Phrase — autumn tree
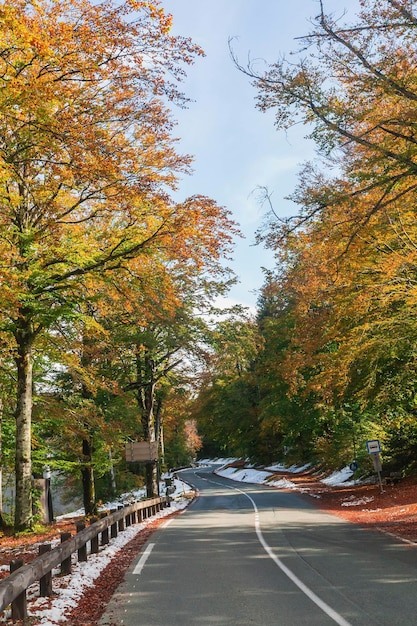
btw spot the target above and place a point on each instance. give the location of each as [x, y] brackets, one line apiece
[87, 158]
[349, 255]
[161, 331]
[225, 406]
[144, 326]
[353, 86]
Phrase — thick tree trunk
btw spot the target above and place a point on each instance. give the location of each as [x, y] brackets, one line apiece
[23, 461]
[87, 468]
[87, 476]
[112, 475]
[148, 421]
[145, 384]
[159, 431]
[146, 400]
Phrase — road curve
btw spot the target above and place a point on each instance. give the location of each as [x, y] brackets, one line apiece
[247, 554]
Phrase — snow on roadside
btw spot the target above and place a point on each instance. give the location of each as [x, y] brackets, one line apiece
[283, 483]
[249, 475]
[353, 501]
[68, 590]
[340, 477]
[245, 475]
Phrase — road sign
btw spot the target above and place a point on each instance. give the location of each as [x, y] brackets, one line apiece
[141, 451]
[373, 446]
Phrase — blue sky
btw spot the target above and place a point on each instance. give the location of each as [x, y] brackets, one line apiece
[236, 147]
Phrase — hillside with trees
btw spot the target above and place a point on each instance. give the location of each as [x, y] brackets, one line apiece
[335, 333]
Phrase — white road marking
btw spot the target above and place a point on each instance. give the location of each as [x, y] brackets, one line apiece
[334, 615]
[140, 564]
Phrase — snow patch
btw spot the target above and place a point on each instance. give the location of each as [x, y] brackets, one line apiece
[357, 501]
[340, 477]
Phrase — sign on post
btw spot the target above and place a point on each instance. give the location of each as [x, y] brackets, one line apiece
[373, 446]
[141, 451]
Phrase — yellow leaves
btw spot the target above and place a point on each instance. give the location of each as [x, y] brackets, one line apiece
[88, 156]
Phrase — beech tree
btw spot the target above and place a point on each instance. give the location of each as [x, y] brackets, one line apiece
[126, 346]
[354, 86]
[226, 403]
[351, 84]
[346, 260]
[87, 158]
[159, 331]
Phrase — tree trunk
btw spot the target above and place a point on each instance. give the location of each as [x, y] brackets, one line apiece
[23, 461]
[159, 430]
[87, 468]
[87, 476]
[148, 423]
[112, 475]
[146, 400]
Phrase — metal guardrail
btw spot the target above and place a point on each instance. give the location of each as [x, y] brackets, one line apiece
[13, 588]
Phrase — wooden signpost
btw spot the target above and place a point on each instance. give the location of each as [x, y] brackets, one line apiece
[141, 452]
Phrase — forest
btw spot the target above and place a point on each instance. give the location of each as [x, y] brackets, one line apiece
[329, 361]
[108, 330]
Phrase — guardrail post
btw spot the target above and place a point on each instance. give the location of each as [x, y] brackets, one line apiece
[82, 550]
[113, 527]
[121, 521]
[105, 533]
[66, 563]
[45, 583]
[19, 606]
[94, 540]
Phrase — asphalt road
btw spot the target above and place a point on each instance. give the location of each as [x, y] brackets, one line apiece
[245, 554]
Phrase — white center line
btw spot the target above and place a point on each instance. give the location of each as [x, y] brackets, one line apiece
[140, 564]
[334, 615]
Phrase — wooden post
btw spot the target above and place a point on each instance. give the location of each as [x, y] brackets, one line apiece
[140, 515]
[82, 551]
[19, 606]
[66, 563]
[105, 533]
[113, 527]
[94, 540]
[45, 583]
[121, 521]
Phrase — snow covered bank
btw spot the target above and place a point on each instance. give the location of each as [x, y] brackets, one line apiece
[266, 476]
